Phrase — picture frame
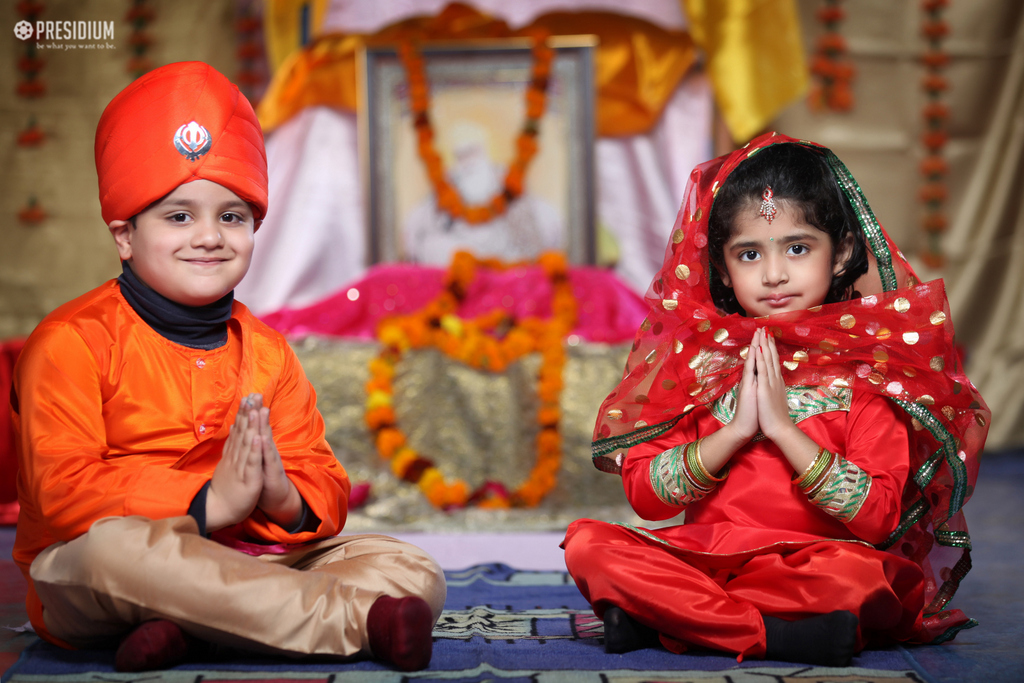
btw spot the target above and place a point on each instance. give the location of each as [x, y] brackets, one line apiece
[477, 110]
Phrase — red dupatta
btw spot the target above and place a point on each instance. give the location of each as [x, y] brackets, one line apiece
[895, 341]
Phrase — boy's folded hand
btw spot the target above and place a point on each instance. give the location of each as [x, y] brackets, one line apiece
[279, 499]
[238, 478]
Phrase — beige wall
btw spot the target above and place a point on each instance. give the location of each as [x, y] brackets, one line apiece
[45, 265]
[879, 139]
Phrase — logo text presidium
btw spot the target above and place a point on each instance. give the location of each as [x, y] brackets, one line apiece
[74, 30]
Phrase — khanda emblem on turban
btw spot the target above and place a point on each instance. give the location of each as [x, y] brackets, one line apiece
[192, 141]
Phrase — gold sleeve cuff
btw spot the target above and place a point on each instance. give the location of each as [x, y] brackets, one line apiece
[678, 476]
[842, 490]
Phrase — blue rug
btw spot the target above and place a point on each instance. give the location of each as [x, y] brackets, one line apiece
[499, 624]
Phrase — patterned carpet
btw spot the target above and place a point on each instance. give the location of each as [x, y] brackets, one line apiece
[499, 624]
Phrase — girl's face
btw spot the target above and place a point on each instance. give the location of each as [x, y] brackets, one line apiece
[785, 266]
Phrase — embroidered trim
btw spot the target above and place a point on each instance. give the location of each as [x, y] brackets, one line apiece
[614, 443]
[949, 447]
[949, 586]
[643, 532]
[955, 539]
[844, 490]
[872, 230]
[679, 478]
[911, 517]
[928, 469]
[952, 631]
[804, 402]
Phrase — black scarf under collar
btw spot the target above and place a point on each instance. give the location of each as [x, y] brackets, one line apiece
[198, 327]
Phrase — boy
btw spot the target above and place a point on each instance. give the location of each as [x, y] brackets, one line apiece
[154, 411]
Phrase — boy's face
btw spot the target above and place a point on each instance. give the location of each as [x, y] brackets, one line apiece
[193, 246]
[785, 266]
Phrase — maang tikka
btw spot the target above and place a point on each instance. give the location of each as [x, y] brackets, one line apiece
[768, 210]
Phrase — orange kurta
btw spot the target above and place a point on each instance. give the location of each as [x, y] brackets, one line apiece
[112, 419]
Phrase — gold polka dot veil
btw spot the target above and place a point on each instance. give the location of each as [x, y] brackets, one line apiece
[896, 341]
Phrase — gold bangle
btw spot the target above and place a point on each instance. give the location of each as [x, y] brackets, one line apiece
[696, 468]
[812, 488]
[814, 470]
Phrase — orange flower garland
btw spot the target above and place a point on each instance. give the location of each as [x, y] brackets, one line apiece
[834, 71]
[488, 342]
[934, 167]
[448, 198]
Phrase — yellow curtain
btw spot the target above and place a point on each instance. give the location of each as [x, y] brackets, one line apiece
[637, 64]
[282, 21]
[755, 58]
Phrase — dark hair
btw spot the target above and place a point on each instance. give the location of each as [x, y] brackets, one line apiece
[801, 178]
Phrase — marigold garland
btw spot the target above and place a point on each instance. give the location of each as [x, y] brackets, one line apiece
[489, 342]
[934, 167]
[140, 14]
[834, 72]
[448, 197]
[30, 85]
[251, 76]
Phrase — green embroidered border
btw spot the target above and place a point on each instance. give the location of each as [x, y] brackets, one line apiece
[911, 517]
[643, 532]
[844, 491]
[948, 588]
[666, 475]
[928, 469]
[949, 447]
[868, 222]
[951, 632]
[614, 443]
[810, 406]
[955, 539]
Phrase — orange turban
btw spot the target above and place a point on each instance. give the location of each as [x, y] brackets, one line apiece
[177, 124]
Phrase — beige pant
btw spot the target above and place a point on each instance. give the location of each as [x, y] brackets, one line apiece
[312, 601]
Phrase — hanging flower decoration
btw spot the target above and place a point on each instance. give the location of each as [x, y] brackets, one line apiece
[832, 69]
[30, 85]
[32, 135]
[448, 197]
[140, 15]
[252, 75]
[934, 168]
[32, 213]
[489, 342]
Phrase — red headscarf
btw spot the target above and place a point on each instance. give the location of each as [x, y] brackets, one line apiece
[177, 124]
[895, 341]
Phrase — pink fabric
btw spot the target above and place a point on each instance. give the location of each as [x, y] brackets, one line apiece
[609, 312]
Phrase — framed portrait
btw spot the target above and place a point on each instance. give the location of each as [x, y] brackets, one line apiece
[477, 110]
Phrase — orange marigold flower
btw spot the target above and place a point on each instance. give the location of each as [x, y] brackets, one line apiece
[935, 111]
[934, 192]
[934, 83]
[548, 416]
[381, 368]
[935, 222]
[830, 14]
[935, 30]
[377, 384]
[935, 139]
[935, 59]
[840, 98]
[832, 42]
[389, 440]
[381, 416]
[933, 260]
[549, 441]
[934, 165]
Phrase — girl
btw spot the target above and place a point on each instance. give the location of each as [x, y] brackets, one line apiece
[796, 391]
